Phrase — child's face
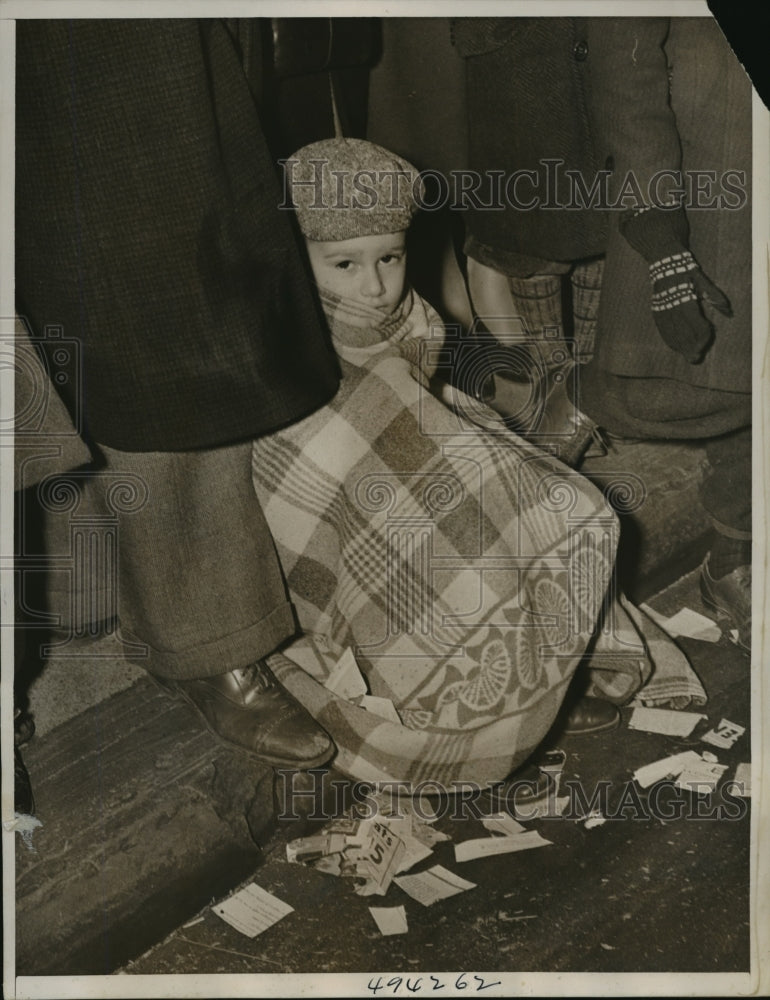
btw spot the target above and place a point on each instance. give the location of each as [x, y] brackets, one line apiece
[370, 270]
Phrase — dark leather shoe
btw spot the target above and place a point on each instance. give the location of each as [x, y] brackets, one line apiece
[730, 598]
[590, 715]
[249, 709]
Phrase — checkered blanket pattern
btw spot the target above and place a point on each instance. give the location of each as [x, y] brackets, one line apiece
[464, 569]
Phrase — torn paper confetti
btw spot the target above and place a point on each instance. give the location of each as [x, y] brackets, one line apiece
[389, 919]
[742, 781]
[436, 883]
[594, 818]
[380, 857]
[701, 777]
[686, 622]
[24, 825]
[667, 767]
[346, 679]
[724, 735]
[252, 910]
[667, 721]
[483, 847]
[501, 823]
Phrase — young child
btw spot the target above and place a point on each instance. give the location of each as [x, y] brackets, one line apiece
[447, 576]
[354, 203]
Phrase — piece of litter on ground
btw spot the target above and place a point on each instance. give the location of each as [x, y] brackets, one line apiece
[686, 622]
[502, 915]
[607, 947]
[502, 823]
[667, 721]
[694, 625]
[346, 679]
[484, 847]
[381, 857]
[383, 707]
[252, 910]
[24, 825]
[701, 777]
[724, 735]
[436, 883]
[594, 818]
[413, 854]
[667, 767]
[389, 919]
[742, 781]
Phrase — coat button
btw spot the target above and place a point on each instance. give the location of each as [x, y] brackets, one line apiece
[609, 163]
[580, 51]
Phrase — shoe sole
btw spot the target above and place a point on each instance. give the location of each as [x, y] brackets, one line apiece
[294, 765]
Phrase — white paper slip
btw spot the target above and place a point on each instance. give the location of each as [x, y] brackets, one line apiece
[693, 625]
[252, 910]
[436, 883]
[502, 823]
[667, 721]
[346, 679]
[686, 622]
[484, 847]
[667, 767]
[383, 707]
[415, 852]
[742, 781]
[701, 777]
[389, 919]
[724, 735]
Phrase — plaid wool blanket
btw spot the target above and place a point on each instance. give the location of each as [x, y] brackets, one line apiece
[466, 571]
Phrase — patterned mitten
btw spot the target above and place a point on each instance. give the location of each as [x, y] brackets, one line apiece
[679, 287]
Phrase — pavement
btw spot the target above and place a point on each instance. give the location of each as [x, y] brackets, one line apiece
[146, 822]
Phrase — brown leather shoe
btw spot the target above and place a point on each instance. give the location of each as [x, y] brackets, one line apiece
[249, 709]
[550, 419]
[590, 715]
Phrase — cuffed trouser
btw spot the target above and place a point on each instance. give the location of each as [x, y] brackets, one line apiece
[176, 544]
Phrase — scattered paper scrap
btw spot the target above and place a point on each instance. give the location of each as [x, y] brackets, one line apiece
[686, 622]
[742, 781]
[667, 721]
[389, 919]
[380, 857]
[383, 707]
[725, 734]
[414, 853]
[594, 818]
[689, 770]
[502, 823]
[484, 847]
[667, 767]
[436, 883]
[701, 777]
[25, 825]
[370, 850]
[252, 910]
[346, 680]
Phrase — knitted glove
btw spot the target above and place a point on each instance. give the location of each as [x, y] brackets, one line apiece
[680, 289]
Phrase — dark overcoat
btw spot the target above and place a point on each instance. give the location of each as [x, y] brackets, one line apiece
[148, 231]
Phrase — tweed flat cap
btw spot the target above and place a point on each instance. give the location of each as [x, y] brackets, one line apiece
[343, 188]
